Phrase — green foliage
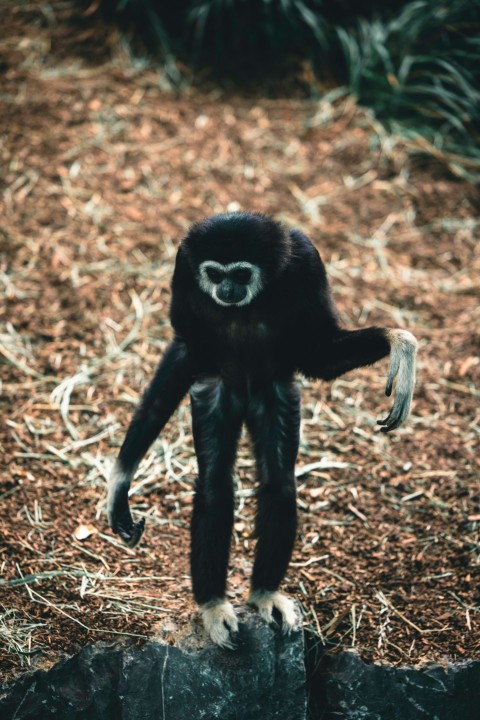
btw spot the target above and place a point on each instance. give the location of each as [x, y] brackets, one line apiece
[417, 66]
[234, 37]
[237, 35]
[420, 71]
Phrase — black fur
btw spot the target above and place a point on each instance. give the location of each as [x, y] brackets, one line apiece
[239, 364]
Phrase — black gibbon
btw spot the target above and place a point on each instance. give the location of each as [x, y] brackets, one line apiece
[251, 307]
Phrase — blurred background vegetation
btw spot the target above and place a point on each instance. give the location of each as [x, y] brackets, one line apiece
[415, 64]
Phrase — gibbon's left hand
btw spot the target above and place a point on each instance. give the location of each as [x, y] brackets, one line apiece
[401, 371]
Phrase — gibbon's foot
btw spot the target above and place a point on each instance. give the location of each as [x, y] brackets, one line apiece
[220, 622]
[268, 601]
[402, 369]
[129, 531]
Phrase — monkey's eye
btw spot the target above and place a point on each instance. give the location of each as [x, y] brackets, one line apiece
[241, 275]
[215, 275]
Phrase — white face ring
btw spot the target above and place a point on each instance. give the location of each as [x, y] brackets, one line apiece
[254, 286]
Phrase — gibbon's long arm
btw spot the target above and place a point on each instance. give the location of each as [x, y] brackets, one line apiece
[348, 350]
[172, 380]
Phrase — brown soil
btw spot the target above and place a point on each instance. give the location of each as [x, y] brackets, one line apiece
[103, 167]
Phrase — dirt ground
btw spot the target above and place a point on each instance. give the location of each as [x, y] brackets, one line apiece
[103, 167]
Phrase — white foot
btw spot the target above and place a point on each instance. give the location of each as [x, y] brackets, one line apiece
[266, 600]
[220, 622]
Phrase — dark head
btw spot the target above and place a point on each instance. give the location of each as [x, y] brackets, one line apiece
[233, 256]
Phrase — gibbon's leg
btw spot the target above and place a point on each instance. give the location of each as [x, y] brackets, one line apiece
[170, 383]
[273, 420]
[217, 417]
[352, 349]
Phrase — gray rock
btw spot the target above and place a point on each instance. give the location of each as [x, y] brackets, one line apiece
[264, 679]
[343, 686]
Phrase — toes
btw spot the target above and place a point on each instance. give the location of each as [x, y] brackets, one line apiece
[220, 622]
[266, 613]
[270, 603]
[290, 619]
[287, 610]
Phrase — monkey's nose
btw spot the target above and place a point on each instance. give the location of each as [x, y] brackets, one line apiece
[227, 291]
[230, 293]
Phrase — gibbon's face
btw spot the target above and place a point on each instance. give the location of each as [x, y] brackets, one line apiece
[232, 285]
